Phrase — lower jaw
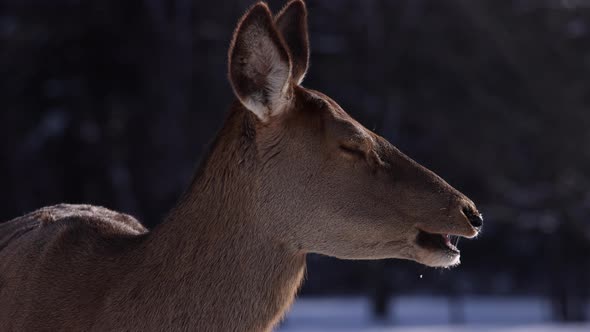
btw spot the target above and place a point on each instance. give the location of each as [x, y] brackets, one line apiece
[444, 259]
[438, 255]
[453, 262]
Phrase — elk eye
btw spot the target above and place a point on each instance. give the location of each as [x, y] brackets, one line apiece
[354, 151]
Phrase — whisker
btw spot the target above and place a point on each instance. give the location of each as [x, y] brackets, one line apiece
[457, 238]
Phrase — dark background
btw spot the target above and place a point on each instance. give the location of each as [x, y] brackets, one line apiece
[112, 103]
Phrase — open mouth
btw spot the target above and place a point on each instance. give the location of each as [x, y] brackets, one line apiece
[434, 241]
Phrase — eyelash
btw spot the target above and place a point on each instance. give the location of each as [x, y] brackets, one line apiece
[353, 151]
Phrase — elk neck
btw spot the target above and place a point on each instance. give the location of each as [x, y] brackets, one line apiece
[215, 241]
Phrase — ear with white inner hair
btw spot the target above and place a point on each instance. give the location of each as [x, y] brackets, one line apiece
[292, 24]
[259, 64]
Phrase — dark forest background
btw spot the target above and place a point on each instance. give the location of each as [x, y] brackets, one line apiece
[112, 103]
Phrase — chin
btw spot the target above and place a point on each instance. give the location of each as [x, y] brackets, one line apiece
[438, 258]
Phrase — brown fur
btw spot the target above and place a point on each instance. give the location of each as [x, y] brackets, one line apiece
[231, 255]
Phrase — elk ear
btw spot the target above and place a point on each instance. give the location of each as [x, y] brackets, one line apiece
[259, 64]
[292, 24]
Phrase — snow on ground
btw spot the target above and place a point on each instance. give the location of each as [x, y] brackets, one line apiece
[426, 314]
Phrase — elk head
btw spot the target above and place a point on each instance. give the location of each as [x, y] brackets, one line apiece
[326, 184]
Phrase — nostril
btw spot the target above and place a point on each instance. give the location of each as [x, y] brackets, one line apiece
[475, 218]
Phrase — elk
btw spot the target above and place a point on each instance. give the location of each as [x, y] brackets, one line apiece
[289, 173]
